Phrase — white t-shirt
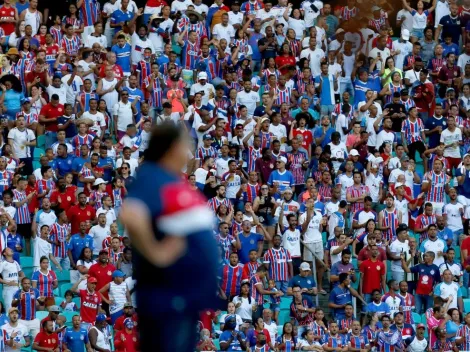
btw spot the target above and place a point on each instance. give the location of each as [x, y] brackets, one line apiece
[235, 18]
[454, 218]
[291, 242]
[42, 248]
[133, 163]
[408, 22]
[138, 46]
[73, 89]
[91, 39]
[250, 100]
[19, 138]
[397, 247]
[124, 115]
[245, 311]
[181, 6]
[98, 119]
[448, 137]
[21, 332]
[207, 88]
[10, 270]
[445, 290]
[463, 60]
[412, 75]
[341, 122]
[338, 151]
[99, 234]
[298, 26]
[221, 32]
[374, 182]
[61, 92]
[405, 48]
[402, 205]
[384, 136]
[86, 67]
[110, 215]
[315, 57]
[313, 234]
[383, 54]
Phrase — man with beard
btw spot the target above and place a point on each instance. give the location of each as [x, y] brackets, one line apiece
[424, 95]
[128, 313]
[139, 42]
[15, 332]
[102, 271]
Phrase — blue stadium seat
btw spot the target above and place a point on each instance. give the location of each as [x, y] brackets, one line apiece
[63, 276]
[464, 292]
[41, 314]
[285, 302]
[69, 316]
[284, 316]
[416, 317]
[59, 300]
[64, 287]
[26, 262]
[466, 305]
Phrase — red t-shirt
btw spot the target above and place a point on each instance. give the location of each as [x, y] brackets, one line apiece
[125, 342]
[307, 137]
[65, 200]
[119, 323]
[51, 112]
[372, 272]
[364, 254]
[89, 306]
[102, 274]
[284, 60]
[30, 76]
[466, 245]
[76, 215]
[34, 203]
[118, 73]
[46, 340]
[8, 13]
[206, 318]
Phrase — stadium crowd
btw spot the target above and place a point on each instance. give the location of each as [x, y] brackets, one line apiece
[330, 140]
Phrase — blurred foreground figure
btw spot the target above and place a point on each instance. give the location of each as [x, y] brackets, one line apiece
[170, 227]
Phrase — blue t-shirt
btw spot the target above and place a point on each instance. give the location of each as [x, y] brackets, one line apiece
[123, 56]
[432, 123]
[176, 210]
[133, 94]
[77, 243]
[464, 189]
[319, 132]
[120, 16]
[445, 234]
[360, 89]
[77, 165]
[307, 282]
[76, 340]
[326, 88]
[340, 296]
[64, 165]
[248, 243]
[235, 345]
[380, 308]
[450, 48]
[107, 176]
[12, 241]
[286, 179]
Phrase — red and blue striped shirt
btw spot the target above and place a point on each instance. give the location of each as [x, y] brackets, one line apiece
[278, 260]
[231, 277]
[45, 282]
[22, 215]
[59, 233]
[412, 130]
[437, 186]
[90, 12]
[390, 220]
[252, 155]
[27, 305]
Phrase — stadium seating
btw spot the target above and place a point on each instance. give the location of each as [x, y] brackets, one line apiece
[64, 287]
[416, 317]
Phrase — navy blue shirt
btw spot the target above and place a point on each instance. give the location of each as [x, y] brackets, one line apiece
[464, 189]
[432, 123]
[70, 131]
[107, 172]
[452, 26]
[176, 209]
[307, 282]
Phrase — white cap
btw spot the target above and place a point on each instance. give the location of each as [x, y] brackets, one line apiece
[283, 159]
[399, 184]
[339, 30]
[354, 152]
[304, 266]
[202, 75]
[99, 181]
[405, 34]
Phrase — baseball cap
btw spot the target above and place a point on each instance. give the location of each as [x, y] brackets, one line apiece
[229, 316]
[99, 181]
[354, 152]
[404, 92]
[92, 280]
[377, 8]
[239, 126]
[207, 137]
[405, 157]
[103, 251]
[282, 159]
[118, 273]
[236, 2]
[398, 184]
[100, 318]
[128, 323]
[54, 309]
[12, 309]
[402, 227]
[304, 266]
[339, 30]
[128, 305]
[202, 75]
[25, 100]
[420, 326]
[405, 33]
[264, 119]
